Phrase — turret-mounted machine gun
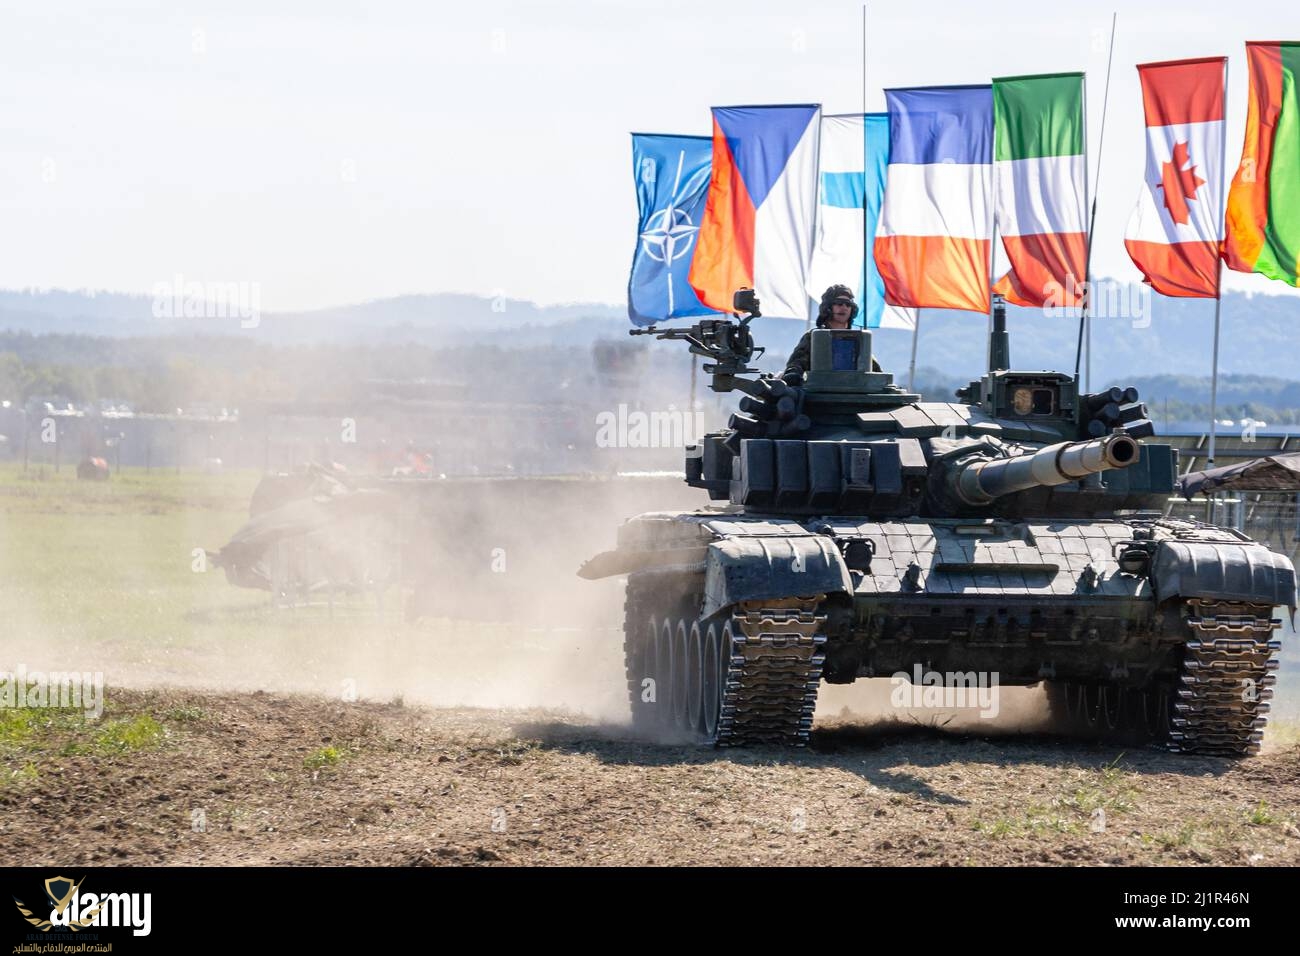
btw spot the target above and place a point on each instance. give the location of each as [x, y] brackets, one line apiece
[729, 344]
[841, 382]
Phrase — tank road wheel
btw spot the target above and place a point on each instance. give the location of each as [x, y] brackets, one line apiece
[711, 682]
[1149, 716]
[1162, 705]
[664, 678]
[698, 678]
[1101, 710]
[1090, 705]
[1135, 711]
[1063, 704]
[694, 678]
[1113, 703]
[648, 685]
[1072, 695]
[681, 672]
[640, 660]
[657, 617]
[1058, 702]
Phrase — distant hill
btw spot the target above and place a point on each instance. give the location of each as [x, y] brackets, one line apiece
[442, 319]
[1259, 332]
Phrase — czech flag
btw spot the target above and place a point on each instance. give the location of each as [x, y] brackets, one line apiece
[936, 229]
[758, 219]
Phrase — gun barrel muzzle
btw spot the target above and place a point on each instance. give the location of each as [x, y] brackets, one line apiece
[984, 480]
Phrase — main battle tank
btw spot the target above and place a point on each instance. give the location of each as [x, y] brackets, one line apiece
[1017, 532]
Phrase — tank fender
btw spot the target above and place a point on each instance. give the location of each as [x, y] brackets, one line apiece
[1250, 573]
[755, 568]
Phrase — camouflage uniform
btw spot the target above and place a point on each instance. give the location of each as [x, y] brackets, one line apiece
[801, 357]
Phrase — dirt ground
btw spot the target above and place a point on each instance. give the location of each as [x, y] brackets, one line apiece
[283, 779]
[238, 730]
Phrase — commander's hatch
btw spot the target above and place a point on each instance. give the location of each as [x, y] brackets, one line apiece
[840, 372]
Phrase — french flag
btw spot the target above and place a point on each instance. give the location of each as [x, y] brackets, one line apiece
[758, 219]
[936, 227]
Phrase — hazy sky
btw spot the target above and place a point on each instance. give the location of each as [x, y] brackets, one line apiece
[336, 152]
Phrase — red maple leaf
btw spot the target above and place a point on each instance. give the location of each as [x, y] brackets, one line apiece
[1179, 184]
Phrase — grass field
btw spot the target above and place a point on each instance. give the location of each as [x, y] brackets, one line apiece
[108, 577]
[112, 564]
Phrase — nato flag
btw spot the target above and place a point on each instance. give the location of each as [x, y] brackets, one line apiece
[672, 181]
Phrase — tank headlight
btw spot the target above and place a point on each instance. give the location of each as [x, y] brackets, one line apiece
[858, 553]
[1135, 561]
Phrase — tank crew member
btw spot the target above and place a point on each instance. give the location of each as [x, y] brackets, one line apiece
[837, 311]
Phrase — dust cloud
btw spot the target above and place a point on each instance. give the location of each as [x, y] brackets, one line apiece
[497, 617]
[489, 611]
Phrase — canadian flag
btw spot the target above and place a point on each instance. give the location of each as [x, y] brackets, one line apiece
[1174, 233]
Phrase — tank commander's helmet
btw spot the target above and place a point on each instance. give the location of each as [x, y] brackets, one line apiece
[836, 293]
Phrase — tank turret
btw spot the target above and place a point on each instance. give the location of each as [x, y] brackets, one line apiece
[844, 439]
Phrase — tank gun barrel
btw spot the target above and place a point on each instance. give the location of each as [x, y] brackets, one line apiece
[981, 481]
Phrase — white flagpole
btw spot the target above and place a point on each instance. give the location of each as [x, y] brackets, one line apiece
[811, 301]
[1087, 254]
[1214, 393]
[911, 369]
[1214, 372]
[866, 240]
[993, 249]
[1085, 321]
[1218, 288]
[695, 361]
[1218, 299]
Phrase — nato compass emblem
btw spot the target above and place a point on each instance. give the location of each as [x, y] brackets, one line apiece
[60, 891]
[669, 232]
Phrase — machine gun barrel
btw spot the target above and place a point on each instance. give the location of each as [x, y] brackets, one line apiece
[669, 333]
[729, 344]
[981, 481]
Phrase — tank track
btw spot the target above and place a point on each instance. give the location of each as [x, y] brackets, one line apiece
[1217, 703]
[773, 674]
[763, 687]
[1226, 682]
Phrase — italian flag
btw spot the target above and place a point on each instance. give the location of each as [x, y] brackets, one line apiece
[1263, 229]
[1174, 233]
[1038, 169]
